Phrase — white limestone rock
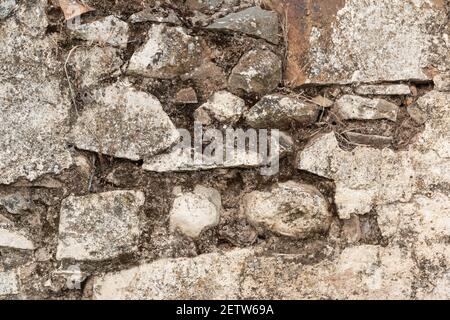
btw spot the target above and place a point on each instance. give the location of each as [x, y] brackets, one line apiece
[168, 52]
[6, 8]
[124, 123]
[9, 283]
[290, 209]
[34, 102]
[366, 178]
[99, 226]
[109, 30]
[359, 108]
[223, 107]
[208, 276]
[14, 239]
[196, 211]
[94, 64]
[384, 90]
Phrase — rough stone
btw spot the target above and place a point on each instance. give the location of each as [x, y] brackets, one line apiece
[368, 139]
[195, 212]
[290, 209]
[361, 272]
[209, 276]
[280, 111]
[223, 107]
[34, 105]
[203, 5]
[186, 96]
[15, 240]
[209, 77]
[181, 159]
[9, 283]
[6, 8]
[15, 203]
[351, 229]
[168, 52]
[109, 30]
[159, 16]
[442, 82]
[99, 226]
[359, 108]
[258, 72]
[367, 177]
[322, 102]
[94, 64]
[124, 123]
[363, 41]
[384, 90]
[253, 21]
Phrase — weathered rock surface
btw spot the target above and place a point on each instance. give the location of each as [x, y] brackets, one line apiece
[210, 276]
[279, 111]
[196, 211]
[160, 16]
[15, 203]
[9, 283]
[124, 123]
[223, 107]
[290, 209]
[167, 53]
[367, 177]
[186, 96]
[388, 90]
[359, 108]
[6, 8]
[209, 77]
[109, 30]
[34, 109]
[202, 5]
[258, 72]
[94, 64]
[442, 82]
[99, 226]
[361, 272]
[179, 159]
[253, 21]
[14, 239]
[363, 41]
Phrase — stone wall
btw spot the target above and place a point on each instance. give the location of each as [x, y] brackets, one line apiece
[97, 203]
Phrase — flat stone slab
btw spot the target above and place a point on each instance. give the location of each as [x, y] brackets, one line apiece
[167, 53]
[124, 123]
[15, 240]
[99, 226]
[280, 111]
[352, 107]
[34, 101]
[363, 272]
[345, 41]
[253, 21]
[109, 30]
